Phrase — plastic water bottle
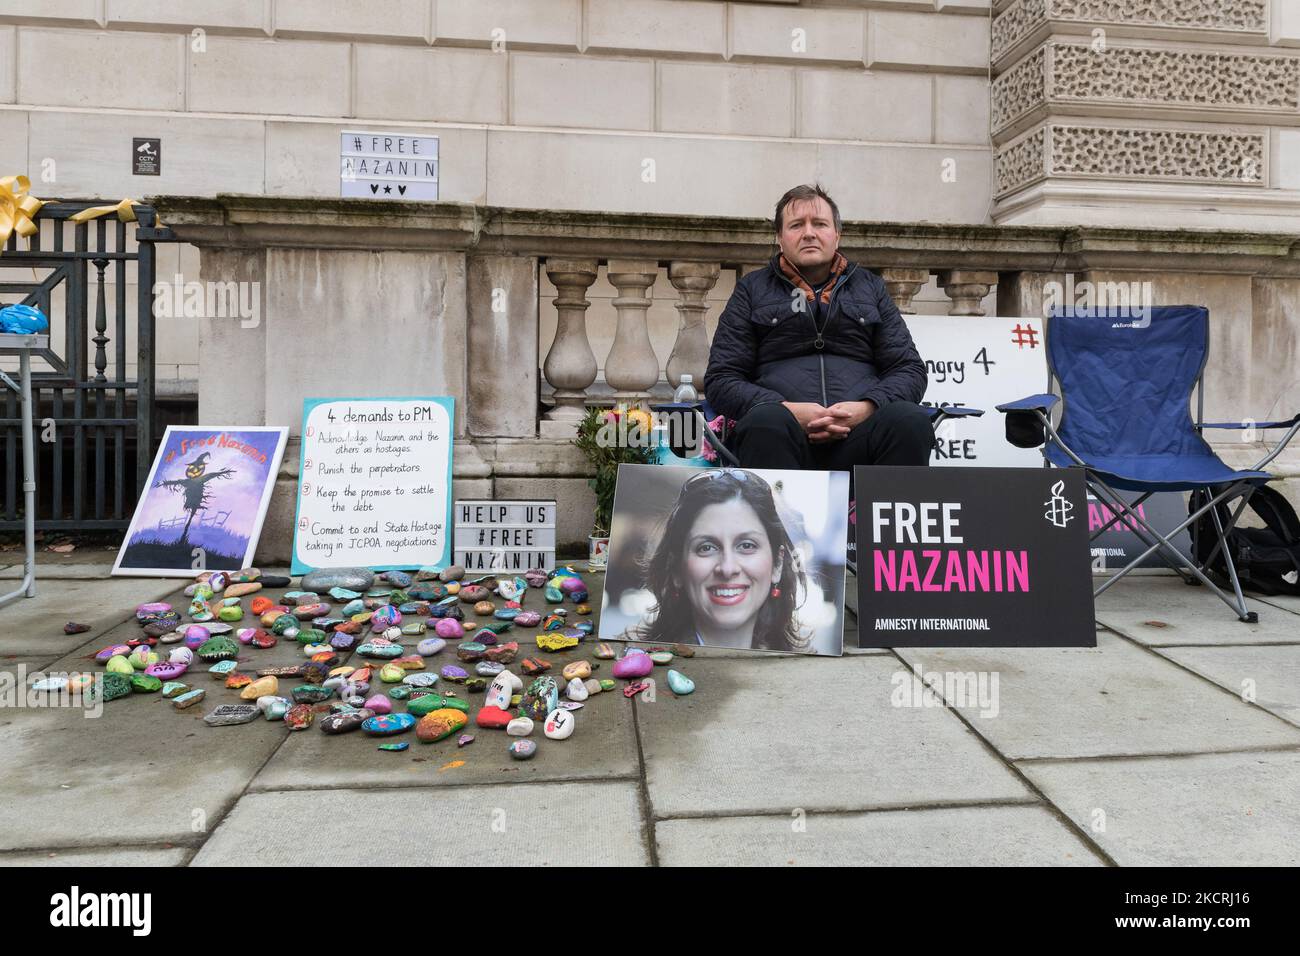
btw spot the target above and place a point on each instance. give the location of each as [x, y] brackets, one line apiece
[686, 391]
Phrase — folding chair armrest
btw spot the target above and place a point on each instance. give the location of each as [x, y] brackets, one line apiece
[1252, 424]
[954, 411]
[1043, 402]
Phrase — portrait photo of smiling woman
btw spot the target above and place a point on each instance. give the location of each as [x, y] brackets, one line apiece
[735, 558]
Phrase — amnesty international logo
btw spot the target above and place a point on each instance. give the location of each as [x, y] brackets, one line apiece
[1058, 508]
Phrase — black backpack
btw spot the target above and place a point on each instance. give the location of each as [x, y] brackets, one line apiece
[1267, 558]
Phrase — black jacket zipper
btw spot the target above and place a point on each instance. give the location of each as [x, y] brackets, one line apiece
[819, 342]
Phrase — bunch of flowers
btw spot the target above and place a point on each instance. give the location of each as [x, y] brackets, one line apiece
[609, 438]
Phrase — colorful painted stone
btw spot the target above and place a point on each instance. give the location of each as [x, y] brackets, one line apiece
[174, 688]
[578, 669]
[199, 610]
[226, 715]
[607, 684]
[342, 723]
[230, 614]
[440, 724]
[571, 705]
[559, 724]
[142, 657]
[528, 618]
[534, 665]
[488, 668]
[470, 651]
[310, 694]
[410, 662]
[502, 653]
[553, 641]
[661, 657]
[299, 717]
[633, 666]
[196, 635]
[427, 704]
[680, 684]
[473, 593]
[492, 718]
[273, 707]
[522, 749]
[354, 579]
[119, 665]
[262, 687]
[576, 690]
[113, 650]
[391, 674]
[454, 674]
[385, 617]
[420, 679]
[632, 688]
[145, 684]
[449, 628]
[380, 649]
[166, 670]
[189, 698]
[221, 669]
[379, 704]
[260, 605]
[239, 681]
[541, 697]
[520, 727]
[383, 725]
[553, 594]
[285, 625]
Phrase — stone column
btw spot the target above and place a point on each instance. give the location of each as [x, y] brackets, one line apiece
[632, 367]
[570, 365]
[690, 355]
[903, 284]
[967, 289]
[502, 375]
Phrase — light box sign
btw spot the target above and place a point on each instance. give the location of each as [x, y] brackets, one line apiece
[388, 166]
[982, 557]
[374, 486]
[505, 535]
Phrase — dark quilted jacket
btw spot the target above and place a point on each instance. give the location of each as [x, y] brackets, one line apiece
[765, 349]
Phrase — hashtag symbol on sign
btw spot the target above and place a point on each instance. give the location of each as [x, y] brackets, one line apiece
[356, 143]
[1022, 335]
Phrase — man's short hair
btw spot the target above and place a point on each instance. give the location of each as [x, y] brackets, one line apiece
[800, 193]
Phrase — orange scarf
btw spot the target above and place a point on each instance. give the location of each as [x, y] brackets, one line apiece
[838, 265]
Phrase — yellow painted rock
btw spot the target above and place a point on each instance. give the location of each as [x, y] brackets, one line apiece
[269, 617]
[262, 687]
[391, 674]
[342, 671]
[554, 641]
[241, 590]
[579, 670]
[438, 724]
[118, 664]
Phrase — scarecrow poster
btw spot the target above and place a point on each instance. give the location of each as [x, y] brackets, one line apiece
[203, 505]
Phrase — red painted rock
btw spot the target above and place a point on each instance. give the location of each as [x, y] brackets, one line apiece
[535, 665]
[263, 639]
[492, 717]
[299, 716]
[502, 653]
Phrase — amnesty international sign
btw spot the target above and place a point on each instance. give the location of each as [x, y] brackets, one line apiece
[976, 557]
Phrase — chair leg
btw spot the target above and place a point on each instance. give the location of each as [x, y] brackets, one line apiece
[1244, 615]
[1122, 509]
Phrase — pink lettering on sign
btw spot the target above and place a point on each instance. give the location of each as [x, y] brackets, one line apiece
[960, 569]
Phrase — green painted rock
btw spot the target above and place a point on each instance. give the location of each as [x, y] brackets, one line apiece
[400, 692]
[116, 685]
[607, 684]
[431, 702]
[311, 694]
[310, 635]
[119, 664]
[220, 648]
[174, 688]
[144, 684]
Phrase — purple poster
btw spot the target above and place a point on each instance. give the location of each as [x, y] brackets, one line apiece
[203, 505]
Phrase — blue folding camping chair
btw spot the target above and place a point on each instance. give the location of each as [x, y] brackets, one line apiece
[1126, 384]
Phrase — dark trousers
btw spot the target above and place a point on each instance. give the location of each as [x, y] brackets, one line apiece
[770, 437]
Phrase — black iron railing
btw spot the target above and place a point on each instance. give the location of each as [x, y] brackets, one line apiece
[94, 424]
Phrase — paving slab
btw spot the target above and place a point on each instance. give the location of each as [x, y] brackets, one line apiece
[531, 825]
[34, 626]
[112, 856]
[948, 836]
[811, 733]
[1115, 699]
[1273, 673]
[1210, 810]
[1188, 615]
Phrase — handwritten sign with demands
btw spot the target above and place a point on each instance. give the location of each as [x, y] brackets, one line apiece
[980, 362]
[374, 486]
[983, 557]
[505, 535]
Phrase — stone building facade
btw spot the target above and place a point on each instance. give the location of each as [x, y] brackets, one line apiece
[606, 167]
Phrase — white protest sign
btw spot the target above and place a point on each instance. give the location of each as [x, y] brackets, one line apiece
[505, 535]
[388, 166]
[374, 485]
[980, 362]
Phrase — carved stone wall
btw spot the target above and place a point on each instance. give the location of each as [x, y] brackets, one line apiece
[1076, 72]
[1142, 155]
[1022, 16]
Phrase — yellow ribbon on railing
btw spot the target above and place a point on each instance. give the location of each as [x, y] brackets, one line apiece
[17, 208]
[124, 211]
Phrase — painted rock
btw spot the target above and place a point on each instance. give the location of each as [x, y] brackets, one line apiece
[148, 612]
[306, 612]
[451, 573]
[380, 649]
[343, 722]
[413, 628]
[488, 668]
[262, 687]
[633, 666]
[237, 681]
[576, 690]
[299, 717]
[400, 692]
[632, 688]
[464, 740]
[630, 650]
[559, 724]
[680, 684]
[383, 725]
[428, 703]
[222, 669]
[145, 684]
[51, 684]
[218, 580]
[500, 691]
[534, 665]
[439, 724]
[556, 642]
[420, 679]
[174, 688]
[430, 646]
[607, 684]
[385, 617]
[476, 685]
[119, 665]
[245, 634]
[260, 605]
[395, 747]
[344, 594]
[168, 670]
[189, 698]
[571, 705]
[312, 650]
[113, 650]
[391, 674]
[519, 727]
[310, 694]
[262, 639]
[571, 585]
[298, 598]
[528, 618]
[492, 717]
[449, 628]
[272, 707]
[553, 622]
[310, 635]
[181, 655]
[411, 662]
[583, 609]
[353, 607]
[196, 635]
[172, 637]
[470, 651]
[354, 579]
[578, 669]
[522, 749]
[398, 579]
[200, 610]
[592, 685]
[228, 714]
[286, 625]
[242, 589]
[553, 594]
[341, 641]
[379, 704]
[473, 593]
[541, 697]
[661, 657]
[142, 657]
[454, 674]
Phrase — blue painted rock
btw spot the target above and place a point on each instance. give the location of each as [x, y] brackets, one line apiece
[354, 579]
[553, 594]
[344, 594]
[395, 747]
[522, 749]
[342, 641]
[454, 674]
[584, 628]
[51, 684]
[398, 579]
[310, 694]
[189, 698]
[174, 688]
[223, 668]
[488, 668]
[420, 679]
[272, 707]
[506, 613]
[353, 607]
[680, 684]
[383, 725]
[380, 649]
[385, 616]
[470, 651]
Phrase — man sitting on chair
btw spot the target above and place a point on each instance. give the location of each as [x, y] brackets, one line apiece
[812, 359]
